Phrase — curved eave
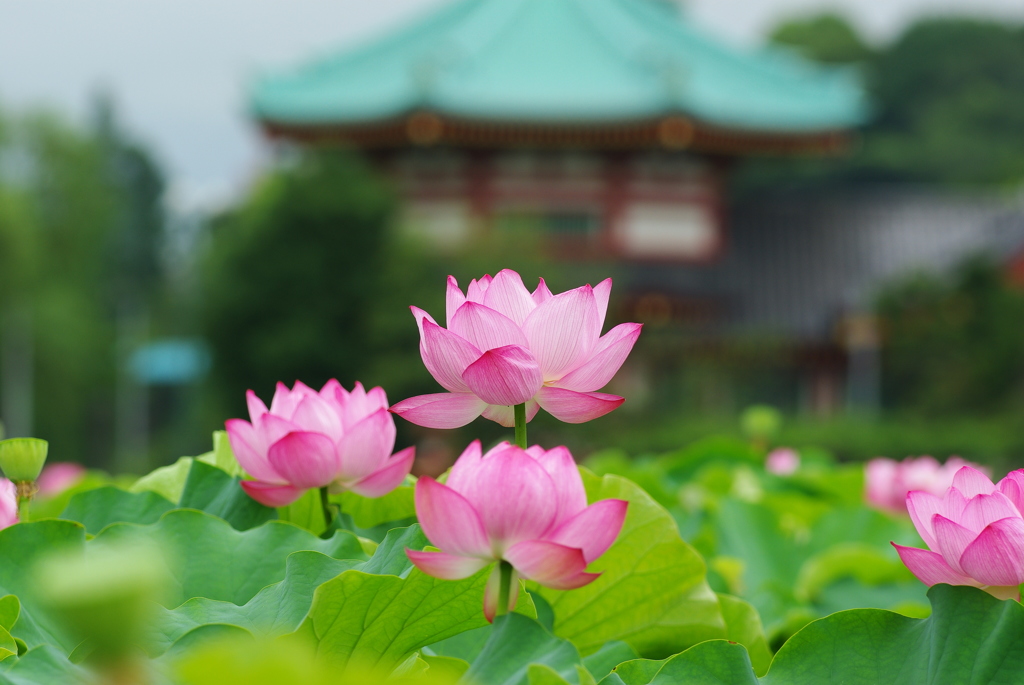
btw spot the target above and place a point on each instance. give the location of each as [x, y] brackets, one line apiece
[674, 132]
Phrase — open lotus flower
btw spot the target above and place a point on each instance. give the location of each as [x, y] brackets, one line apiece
[887, 481]
[526, 507]
[8, 503]
[504, 346]
[974, 533]
[334, 438]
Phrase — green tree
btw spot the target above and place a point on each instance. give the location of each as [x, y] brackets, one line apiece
[951, 104]
[826, 38]
[948, 100]
[954, 346]
[294, 276]
[69, 204]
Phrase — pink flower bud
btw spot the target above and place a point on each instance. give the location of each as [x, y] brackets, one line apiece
[782, 461]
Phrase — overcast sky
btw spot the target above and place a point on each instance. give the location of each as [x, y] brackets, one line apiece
[178, 69]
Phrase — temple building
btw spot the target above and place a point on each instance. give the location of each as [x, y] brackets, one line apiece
[610, 127]
[610, 123]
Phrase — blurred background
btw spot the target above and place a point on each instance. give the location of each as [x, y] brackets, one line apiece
[818, 207]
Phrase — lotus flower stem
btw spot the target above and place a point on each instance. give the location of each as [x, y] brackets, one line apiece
[326, 504]
[520, 412]
[25, 491]
[505, 588]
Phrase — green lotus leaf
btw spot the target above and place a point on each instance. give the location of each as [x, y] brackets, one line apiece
[971, 638]
[96, 509]
[366, 512]
[10, 609]
[208, 558]
[166, 481]
[377, 615]
[516, 645]
[715, 662]
[281, 607]
[21, 547]
[652, 593]
[743, 625]
[43, 664]
[306, 512]
[219, 494]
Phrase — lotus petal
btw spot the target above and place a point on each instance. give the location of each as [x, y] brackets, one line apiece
[576, 407]
[316, 414]
[255, 405]
[602, 293]
[548, 563]
[507, 295]
[930, 568]
[541, 294]
[506, 375]
[514, 496]
[446, 566]
[366, 446]
[388, 477]
[565, 474]
[504, 414]
[996, 557]
[453, 300]
[563, 330]
[272, 494]
[486, 328]
[449, 521]
[922, 506]
[594, 529]
[446, 356]
[305, 459]
[605, 360]
[245, 443]
[440, 410]
[970, 482]
[952, 539]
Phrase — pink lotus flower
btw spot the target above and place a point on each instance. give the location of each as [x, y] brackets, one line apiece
[887, 482]
[782, 461]
[334, 438]
[527, 507]
[505, 346]
[8, 504]
[58, 477]
[974, 533]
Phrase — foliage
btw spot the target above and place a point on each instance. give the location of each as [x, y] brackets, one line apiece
[712, 547]
[827, 38]
[80, 223]
[948, 96]
[296, 277]
[954, 347]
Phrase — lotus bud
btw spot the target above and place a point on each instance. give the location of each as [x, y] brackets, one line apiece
[106, 595]
[22, 458]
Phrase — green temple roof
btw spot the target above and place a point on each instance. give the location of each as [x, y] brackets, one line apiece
[562, 62]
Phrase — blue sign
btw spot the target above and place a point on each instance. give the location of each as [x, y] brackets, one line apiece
[174, 361]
